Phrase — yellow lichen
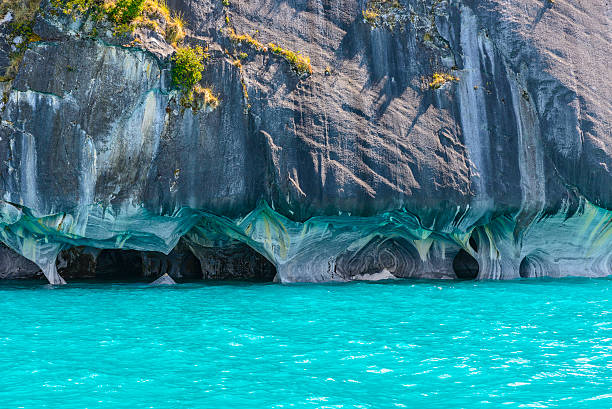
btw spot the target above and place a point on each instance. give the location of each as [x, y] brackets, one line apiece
[22, 20]
[370, 16]
[300, 63]
[206, 96]
[200, 98]
[380, 12]
[246, 39]
[441, 78]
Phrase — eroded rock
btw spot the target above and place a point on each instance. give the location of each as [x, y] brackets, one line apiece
[164, 280]
[360, 170]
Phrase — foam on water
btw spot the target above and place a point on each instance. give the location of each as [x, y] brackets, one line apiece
[528, 343]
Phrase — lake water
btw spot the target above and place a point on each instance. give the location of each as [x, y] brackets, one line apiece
[423, 344]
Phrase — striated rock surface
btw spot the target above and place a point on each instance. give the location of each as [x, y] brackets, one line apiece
[362, 170]
[164, 280]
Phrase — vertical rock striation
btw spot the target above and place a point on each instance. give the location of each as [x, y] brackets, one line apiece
[365, 169]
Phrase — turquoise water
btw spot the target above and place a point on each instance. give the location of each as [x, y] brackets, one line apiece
[411, 344]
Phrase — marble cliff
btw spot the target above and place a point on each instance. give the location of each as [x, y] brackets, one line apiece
[432, 139]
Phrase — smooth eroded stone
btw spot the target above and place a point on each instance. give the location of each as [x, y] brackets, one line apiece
[164, 280]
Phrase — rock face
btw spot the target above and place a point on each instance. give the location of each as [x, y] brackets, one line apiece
[164, 280]
[13, 266]
[361, 170]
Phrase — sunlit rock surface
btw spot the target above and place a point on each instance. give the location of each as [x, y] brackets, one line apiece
[164, 280]
[360, 171]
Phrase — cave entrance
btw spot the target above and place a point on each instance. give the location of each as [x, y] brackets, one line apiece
[190, 266]
[236, 262]
[465, 266]
[264, 271]
[231, 263]
[473, 244]
[119, 265]
[180, 264]
[531, 267]
[525, 268]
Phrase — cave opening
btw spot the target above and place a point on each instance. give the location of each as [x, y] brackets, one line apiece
[465, 266]
[231, 263]
[525, 268]
[190, 266]
[180, 264]
[115, 264]
[473, 244]
[531, 266]
[236, 262]
[265, 271]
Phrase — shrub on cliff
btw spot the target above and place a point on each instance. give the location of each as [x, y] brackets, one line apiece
[20, 15]
[125, 11]
[298, 62]
[188, 66]
[440, 78]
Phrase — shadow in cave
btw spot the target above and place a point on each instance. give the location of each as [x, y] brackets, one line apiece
[473, 244]
[465, 266]
[119, 265]
[231, 263]
[237, 262]
[190, 266]
[536, 265]
[525, 268]
[181, 264]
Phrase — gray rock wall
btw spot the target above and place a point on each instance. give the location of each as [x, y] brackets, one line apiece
[360, 170]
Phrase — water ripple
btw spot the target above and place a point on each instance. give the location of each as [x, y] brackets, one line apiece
[540, 343]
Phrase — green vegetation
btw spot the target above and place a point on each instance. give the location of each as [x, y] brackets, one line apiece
[226, 3]
[383, 12]
[175, 29]
[23, 13]
[78, 6]
[188, 66]
[126, 11]
[200, 98]
[441, 78]
[298, 62]
[157, 14]
[246, 39]
[127, 15]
